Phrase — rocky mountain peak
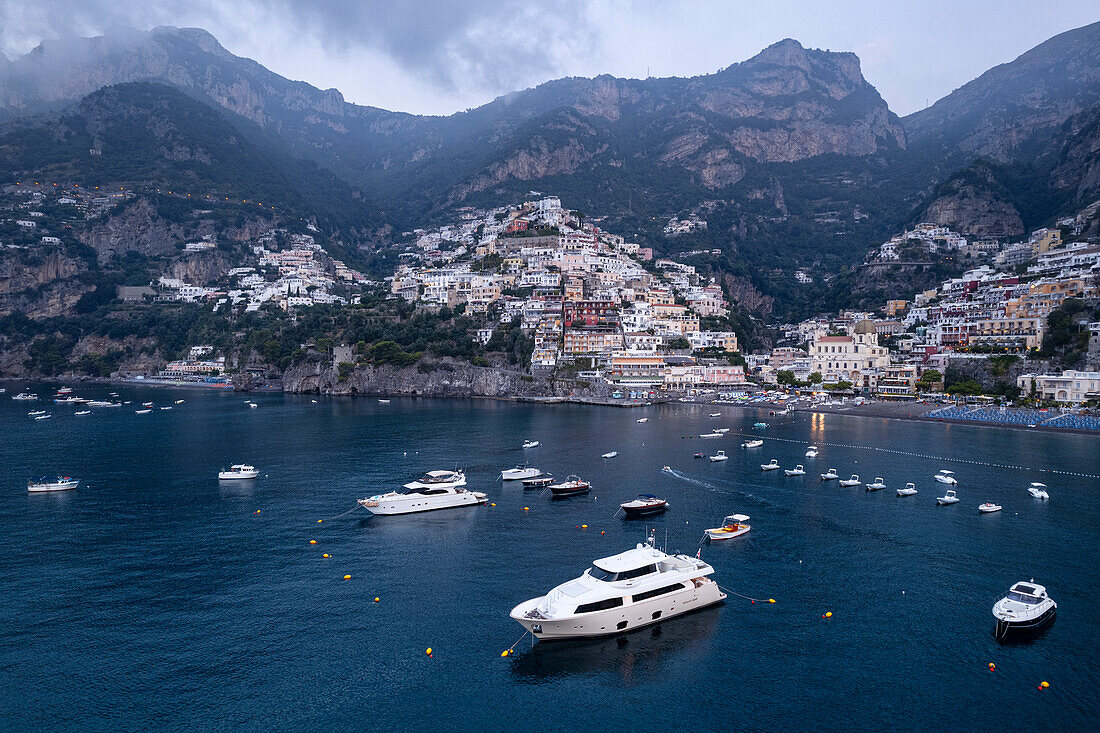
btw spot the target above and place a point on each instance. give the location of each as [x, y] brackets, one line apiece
[787, 52]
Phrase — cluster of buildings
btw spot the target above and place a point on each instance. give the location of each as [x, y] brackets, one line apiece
[585, 295]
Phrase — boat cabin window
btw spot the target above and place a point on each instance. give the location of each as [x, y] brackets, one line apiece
[1014, 595]
[657, 592]
[429, 492]
[599, 605]
[601, 574]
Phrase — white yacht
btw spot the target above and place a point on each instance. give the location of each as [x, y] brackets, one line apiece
[853, 481]
[719, 457]
[721, 431]
[909, 490]
[1038, 490]
[28, 396]
[796, 471]
[989, 507]
[643, 419]
[61, 483]
[830, 475]
[519, 473]
[627, 591]
[710, 435]
[438, 480]
[530, 444]
[422, 500]
[1027, 609]
[877, 485]
[950, 497]
[947, 477]
[611, 454]
[716, 414]
[811, 452]
[42, 417]
[772, 465]
[143, 411]
[752, 443]
[238, 471]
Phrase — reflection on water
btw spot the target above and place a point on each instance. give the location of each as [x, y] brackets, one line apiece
[633, 658]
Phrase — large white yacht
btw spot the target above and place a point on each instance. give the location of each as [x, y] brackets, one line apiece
[519, 473]
[438, 480]
[1027, 609]
[627, 591]
[422, 500]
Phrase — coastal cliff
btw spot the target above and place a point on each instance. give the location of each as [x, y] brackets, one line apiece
[445, 378]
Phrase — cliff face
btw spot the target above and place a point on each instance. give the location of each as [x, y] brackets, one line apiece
[448, 379]
[40, 286]
[974, 202]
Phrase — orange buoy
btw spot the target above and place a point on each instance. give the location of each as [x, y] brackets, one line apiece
[347, 577]
[602, 532]
[526, 508]
[313, 542]
[828, 614]
[377, 599]
[584, 526]
[1045, 684]
[771, 600]
[428, 651]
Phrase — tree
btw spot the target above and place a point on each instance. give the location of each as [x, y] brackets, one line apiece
[815, 378]
[785, 376]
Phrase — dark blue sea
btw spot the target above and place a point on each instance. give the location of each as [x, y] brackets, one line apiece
[154, 598]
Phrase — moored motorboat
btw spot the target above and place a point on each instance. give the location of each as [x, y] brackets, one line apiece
[721, 431]
[572, 486]
[610, 454]
[25, 396]
[716, 414]
[1025, 611]
[760, 425]
[438, 479]
[530, 444]
[61, 483]
[143, 411]
[539, 482]
[732, 526]
[643, 419]
[630, 590]
[519, 473]
[989, 507]
[756, 443]
[42, 417]
[796, 471]
[700, 454]
[853, 481]
[950, 497]
[946, 477]
[719, 457]
[877, 485]
[666, 469]
[710, 435]
[83, 412]
[1038, 490]
[830, 475]
[909, 490]
[772, 465]
[238, 472]
[422, 500]
[811, 452]
[644, 506]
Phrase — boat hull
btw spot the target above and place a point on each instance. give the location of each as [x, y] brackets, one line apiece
[424, 504]
[237, 475]
[619, 620]
[649, 511]
[1007, 630]
[56, 486]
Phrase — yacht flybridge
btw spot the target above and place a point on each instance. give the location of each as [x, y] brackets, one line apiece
[425, 499]
[438, 480]
[627, 591]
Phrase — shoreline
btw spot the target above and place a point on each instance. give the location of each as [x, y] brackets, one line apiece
[884, 410]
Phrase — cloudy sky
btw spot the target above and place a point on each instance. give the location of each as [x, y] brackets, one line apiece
[440, 56]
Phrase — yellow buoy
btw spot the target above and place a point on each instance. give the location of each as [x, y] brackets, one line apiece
[377, 599]
[828, 614]
[319, 521]
[504, 653]
[771, 600]
[347, 577]
[325, 555]
[428, 651]
[584, 526]
[313, 542]
[1045, 684]
[526, 508]
[493, 504]
[602, 532]
[992, 666]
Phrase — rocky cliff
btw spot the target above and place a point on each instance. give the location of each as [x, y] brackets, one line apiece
[973, 202]
[446, 378]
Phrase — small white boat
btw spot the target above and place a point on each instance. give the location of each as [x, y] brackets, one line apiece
[28, 396]
[383, 402]
[909, 490]
[167, 408]
[438, 480]
[948, 498]
[83, 412]
[666, 469]
[877, 485]
[719, 457]
[643, 419]
[253, 405]
[530, 444]
[1038, 490]
[796, 471]
[32, 413]
[64, 390]
[61, 483]
[143, 412]
[314, 401]
[539, 482]
[42, 417]
[853, 481]
[519, 473]
[946, 477]
[611, 454]
[752, 444]
[1026, 610]
[989, 507]
[732, 526]
[710, 435]
[716, 414]
[830, 475]
[100, 403]
[238, 471]
[146, 404]
[179, 402]
[721, 431]
[772, 465]
[646, 505]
